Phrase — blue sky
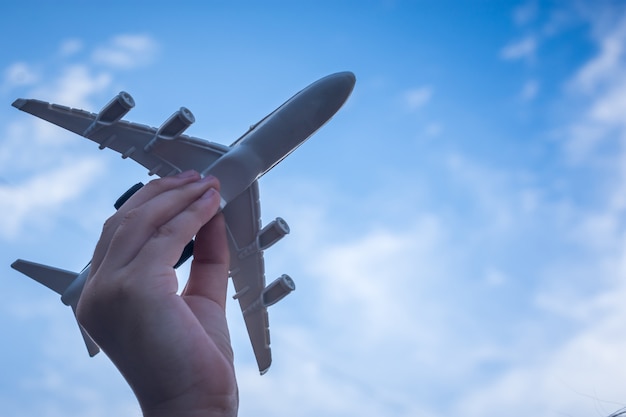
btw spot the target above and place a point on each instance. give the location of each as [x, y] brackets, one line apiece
[458, 241]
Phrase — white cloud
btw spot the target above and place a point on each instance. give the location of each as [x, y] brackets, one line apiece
[601, 82]
[610, 108]
[391, 321]
[377, 279]
[525, 13]
[62, 376]
[606, 66]
[321, 390]
[582, 376]
[392, 313]
[37, 200]
[70, 47]
[495, 277]
[126, 51]
[366, 299]
[433, 129]
[19, 74]
[582, 371]
[75, 87]
[418, 97]
[378, 301]
[522, 49]
[76, 84]
[530, 90]
[44, 162]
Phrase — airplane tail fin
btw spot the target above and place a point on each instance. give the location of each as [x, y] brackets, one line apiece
[57, 280]
[92, 348]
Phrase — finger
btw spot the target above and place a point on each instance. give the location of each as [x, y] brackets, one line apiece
[141, 223]
[163, 248]
[149, 191]
[211, 259]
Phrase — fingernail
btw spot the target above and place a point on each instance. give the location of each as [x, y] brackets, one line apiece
[208, 178]
[210, 194]
[187, 174]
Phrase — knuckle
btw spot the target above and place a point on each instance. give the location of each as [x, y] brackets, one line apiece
[160, 185]
[110, 224]
[156, 185]
[130, 216]
[102, 297]
[119, 219]
[165, 231]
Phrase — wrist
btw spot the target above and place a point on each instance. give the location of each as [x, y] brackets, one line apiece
[219, 407]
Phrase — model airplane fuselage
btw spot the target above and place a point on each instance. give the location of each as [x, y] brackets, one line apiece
[166, 151]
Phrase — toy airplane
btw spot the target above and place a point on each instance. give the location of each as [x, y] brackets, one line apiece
[166, 151]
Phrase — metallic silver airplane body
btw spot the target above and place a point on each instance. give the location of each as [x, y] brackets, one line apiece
[166, 151]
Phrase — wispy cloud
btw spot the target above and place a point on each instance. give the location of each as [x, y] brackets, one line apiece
[36, 200]
[70, 47]
[579, 377]
[409, 292]
[19, 74]
[526, 12]
[75, 86]
[524, 48]
[451, 308]
[366, 296]
[418, 97]
[45, 170]
[126, 52]
[602, 82]
[433, 129]
[530, 89]
[605, 66]
[580, 372]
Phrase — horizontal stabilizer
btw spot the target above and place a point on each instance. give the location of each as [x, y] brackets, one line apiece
[54, 278]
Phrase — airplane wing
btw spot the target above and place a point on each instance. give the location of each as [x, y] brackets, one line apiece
[168, 157]
[243, 219]
[132, 140]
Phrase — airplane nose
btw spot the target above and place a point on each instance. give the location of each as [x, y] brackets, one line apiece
[280, 133]
[340, 82]
[349, 76]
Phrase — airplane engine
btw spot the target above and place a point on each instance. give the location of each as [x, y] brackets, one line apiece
[116, 108]
[176, 124]
[277, 290]
[272, 233]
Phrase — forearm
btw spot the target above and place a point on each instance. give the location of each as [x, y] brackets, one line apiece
[225, 406]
